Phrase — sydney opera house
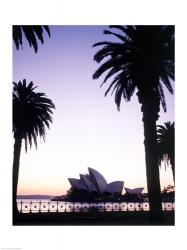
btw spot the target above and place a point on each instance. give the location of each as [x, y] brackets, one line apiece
[93, 187]
[95, 182]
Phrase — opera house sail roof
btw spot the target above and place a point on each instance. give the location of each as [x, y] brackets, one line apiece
[87, 181]
[78, 184]
[135, 191]
[95, 182]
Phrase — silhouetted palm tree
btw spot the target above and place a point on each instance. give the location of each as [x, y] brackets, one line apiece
[32, 33]
[142, 60]
[31, 115]
[166, 144]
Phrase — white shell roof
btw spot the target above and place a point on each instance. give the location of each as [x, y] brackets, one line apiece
[94, 181]
[88, 183]
[98, 180]
[134, 191]
[115, 187]
[76, 183]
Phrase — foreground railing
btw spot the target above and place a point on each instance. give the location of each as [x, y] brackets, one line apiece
[52, 206]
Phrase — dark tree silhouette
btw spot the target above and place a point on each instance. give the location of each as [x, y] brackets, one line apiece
[32, 113]
[32, 34]
[142, 60]
[166, 144]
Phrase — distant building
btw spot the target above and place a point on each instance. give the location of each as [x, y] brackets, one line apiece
[94, 187]
[95, 182]
[135, 191]
[134, 194]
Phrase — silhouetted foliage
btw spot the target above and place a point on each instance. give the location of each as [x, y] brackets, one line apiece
[166, 144]
[142, 61]
[32, 114]
[143, 50]
[168, 194]
[168, 189]
[31, 33]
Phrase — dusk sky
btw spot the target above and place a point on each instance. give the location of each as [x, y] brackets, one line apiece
[87, 129]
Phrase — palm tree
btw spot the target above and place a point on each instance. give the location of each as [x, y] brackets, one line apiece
[31, 34]
[166, 145]
[31, 115]
[141, 58]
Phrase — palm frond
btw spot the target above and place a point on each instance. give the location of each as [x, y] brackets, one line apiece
[39, 32]
[47, 30]
[128, 30]
[167, 83]
[166, 142]
[32, 33]
[145, 54]
[111, 85]
[107, 32]
[32, 112]
[101, 54]
[113, 71]
[105, 66]
[118, 95]
[162, 97]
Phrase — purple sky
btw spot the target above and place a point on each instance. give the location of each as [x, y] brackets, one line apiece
[87, 129]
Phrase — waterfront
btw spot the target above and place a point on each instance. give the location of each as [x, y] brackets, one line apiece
[45, 206]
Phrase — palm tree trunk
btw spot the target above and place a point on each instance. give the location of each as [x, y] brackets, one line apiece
[152, 169]
[15, 176]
